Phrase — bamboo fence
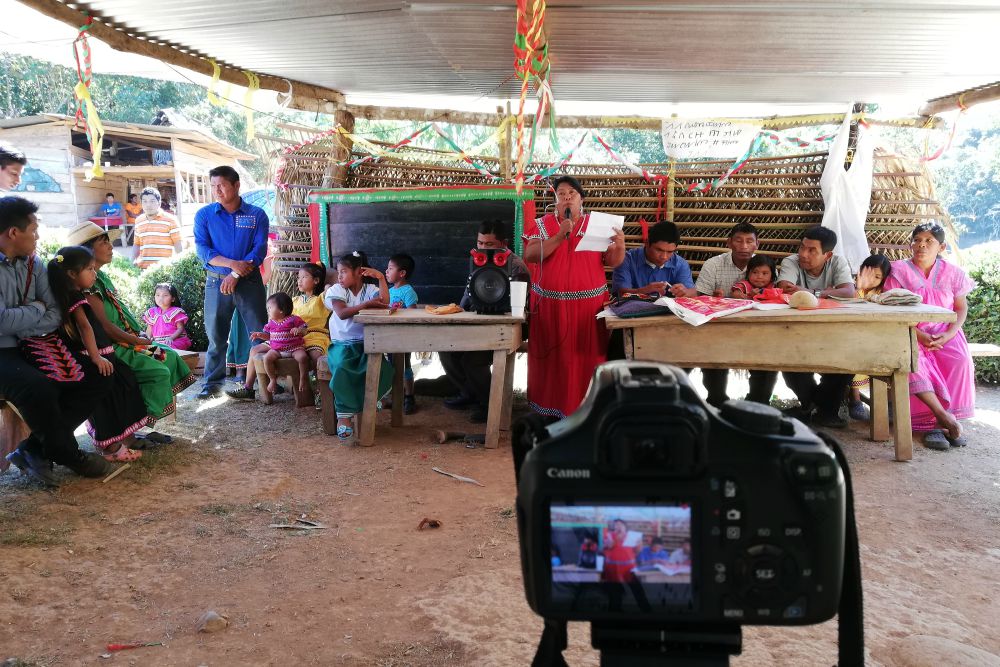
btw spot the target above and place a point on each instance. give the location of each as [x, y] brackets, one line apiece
[779, 195]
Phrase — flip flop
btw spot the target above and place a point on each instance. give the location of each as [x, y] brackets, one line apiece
[936, 440]
[956, 442]
[123, 455]
[345, 434]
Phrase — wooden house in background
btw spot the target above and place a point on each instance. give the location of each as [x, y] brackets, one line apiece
[175, 159]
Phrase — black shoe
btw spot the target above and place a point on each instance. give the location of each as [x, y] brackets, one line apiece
[459, 402]
[829, 420]
[91, 465]
[409, 404]
[209, 392]
[33, 466]
[478, 415]
[279, 389]
[804, 415]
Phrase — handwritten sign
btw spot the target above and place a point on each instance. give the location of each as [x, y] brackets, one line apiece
[690, 139]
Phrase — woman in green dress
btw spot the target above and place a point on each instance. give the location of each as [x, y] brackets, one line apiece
[160, 371]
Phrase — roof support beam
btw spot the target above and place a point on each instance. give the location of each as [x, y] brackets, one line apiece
[119, 39]
[968, 98]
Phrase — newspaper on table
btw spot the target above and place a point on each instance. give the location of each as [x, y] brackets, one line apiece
[700, 309]
[599, 230]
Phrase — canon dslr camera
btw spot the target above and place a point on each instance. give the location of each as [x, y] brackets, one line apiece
[646, 505]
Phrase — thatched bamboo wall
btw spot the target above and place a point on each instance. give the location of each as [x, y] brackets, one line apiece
[780, 195]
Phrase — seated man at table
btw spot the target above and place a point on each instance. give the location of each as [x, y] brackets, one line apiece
[716, 278]
[654, 553]
[816, 269]
[110, 208]
[655, 268]
[470, 371]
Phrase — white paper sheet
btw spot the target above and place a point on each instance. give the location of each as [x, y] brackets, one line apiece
[600, 229]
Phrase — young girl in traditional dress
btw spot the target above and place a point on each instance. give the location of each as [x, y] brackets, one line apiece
[871, 280]
[166, 320]
[346, 354]
[122, 412]
[309, 306]
[943, 389]
[761, 274]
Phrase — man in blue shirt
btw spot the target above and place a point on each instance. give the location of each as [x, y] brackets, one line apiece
[231, 239]
[655, 268]
[111, 208]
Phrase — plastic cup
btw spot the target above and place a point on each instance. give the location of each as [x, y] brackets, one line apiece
[518, 295]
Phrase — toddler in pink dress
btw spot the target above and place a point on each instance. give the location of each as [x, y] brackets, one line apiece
[283, 337]
[166, 320]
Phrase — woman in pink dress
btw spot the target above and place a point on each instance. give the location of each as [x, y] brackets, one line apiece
[943, 389]
[568, 290]
[166, 320]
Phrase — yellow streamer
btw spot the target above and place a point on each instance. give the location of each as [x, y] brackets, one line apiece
[95, 130]
[248, 102]
[216, 73]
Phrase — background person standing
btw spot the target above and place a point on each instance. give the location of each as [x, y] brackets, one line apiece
[231, 239]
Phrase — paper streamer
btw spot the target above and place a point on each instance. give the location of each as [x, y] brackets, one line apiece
[85, 109]
[254, 86]
[216, 73]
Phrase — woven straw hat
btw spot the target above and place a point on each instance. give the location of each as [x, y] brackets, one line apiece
[87, 231]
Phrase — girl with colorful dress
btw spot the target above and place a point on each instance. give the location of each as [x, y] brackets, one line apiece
[568, 290]
[761, 274]
[346, 354]
[121, 412]
[160, 371]
[943, 389]
[166, 320]
[309, 306]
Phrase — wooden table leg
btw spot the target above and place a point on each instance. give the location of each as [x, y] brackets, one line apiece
[902, 428]
[508, 397]
[367, 437]
[397, 389]
[496, 409]
[879, 422]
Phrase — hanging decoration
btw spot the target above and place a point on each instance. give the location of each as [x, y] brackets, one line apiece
[214, 99]
[86, 112]
[531, 64]
[954, 126]
[252, 87]
[462, 154]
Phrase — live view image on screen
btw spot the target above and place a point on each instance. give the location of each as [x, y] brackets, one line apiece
[621, 557]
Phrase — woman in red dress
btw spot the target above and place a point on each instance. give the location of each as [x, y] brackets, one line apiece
[568, 290]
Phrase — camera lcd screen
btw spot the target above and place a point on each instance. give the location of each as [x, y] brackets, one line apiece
[621, 558]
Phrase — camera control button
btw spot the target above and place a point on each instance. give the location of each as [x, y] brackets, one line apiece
[753, 417]
[795, 610]
[793, 531]
[734, 515]
[761, 550]
[802, 469]
[730, 489]
[764, 572]
[731, 608]
[734, 533]
[825, 472]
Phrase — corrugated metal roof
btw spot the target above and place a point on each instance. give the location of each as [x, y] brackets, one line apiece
[634, 51]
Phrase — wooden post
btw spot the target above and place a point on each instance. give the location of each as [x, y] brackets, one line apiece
[340, 150]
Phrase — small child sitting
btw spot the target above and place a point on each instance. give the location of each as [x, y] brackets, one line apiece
[346, 354]
[283, 334]
[761, 274]
[871, 280]
[166, 320]
[398, 273]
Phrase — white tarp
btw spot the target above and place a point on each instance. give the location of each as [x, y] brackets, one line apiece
[847, 193]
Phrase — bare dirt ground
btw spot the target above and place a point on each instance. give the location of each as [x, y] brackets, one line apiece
[187, 530]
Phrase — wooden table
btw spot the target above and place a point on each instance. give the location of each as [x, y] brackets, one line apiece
[416, 330]
[879, 341]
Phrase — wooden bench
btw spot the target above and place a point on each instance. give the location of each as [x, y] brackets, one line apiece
[984, 350]
[286, 368]
[327, 409]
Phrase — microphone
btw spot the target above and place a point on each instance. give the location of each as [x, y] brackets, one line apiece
[568, 217]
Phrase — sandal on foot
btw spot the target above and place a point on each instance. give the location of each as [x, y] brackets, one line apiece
[123, 455]
[936, 440]
[956, 442]
[345, 433]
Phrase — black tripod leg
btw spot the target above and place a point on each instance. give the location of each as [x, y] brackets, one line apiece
[551, 645]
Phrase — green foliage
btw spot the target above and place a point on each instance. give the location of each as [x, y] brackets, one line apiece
[187, 273]
[983, 322]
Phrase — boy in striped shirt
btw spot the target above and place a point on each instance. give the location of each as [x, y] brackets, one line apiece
[157, 234]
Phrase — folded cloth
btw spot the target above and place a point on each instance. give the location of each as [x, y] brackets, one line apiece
[895, 297]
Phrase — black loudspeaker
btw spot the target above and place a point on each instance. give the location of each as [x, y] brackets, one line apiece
[489, 281]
